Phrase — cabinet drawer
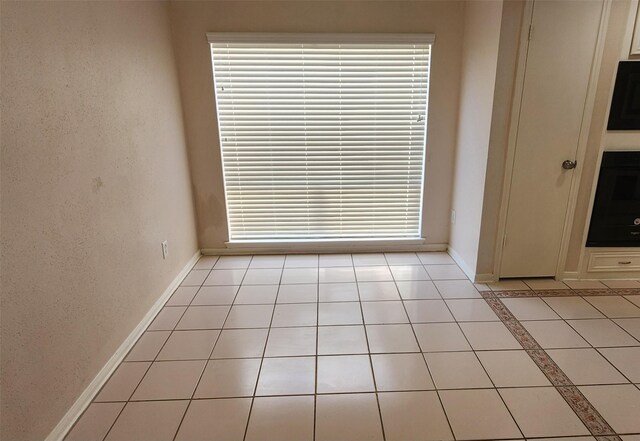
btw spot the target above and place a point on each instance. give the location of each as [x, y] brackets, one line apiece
[614, 262]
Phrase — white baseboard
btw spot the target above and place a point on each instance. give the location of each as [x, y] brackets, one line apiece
[620, 275]
[461, 263]
[485, 278]
[569, 275]
[475, 278]
[297, 248]
[83, 401]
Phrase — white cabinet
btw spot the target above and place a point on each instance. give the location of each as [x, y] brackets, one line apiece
[607, 263]
[615, 261]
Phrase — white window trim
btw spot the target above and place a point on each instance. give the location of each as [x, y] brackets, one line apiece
[320, 38]
[242, 37]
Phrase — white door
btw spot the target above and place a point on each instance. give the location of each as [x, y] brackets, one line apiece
[560, 53]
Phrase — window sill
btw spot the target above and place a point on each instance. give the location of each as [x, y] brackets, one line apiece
[352, 245]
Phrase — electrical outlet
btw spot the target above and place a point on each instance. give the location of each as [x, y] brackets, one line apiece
[453, 216]
[165, 249]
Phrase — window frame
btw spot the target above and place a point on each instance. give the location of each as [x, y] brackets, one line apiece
[324, 38]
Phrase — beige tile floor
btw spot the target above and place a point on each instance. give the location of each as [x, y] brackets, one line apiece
[397, 346]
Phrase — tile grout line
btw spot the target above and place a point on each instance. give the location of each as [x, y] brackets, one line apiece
[591, 346]
[578, 294]
[424, 359]
[315, 384]
[604, 317]
[482, 365]
[608, 318]
[615, 367]
[597, 349]
[586, 412]
[212, 347]
[264, 350]
[381, 353]
[171, 331]
[570, 292]
[366, 336]
[360, 392]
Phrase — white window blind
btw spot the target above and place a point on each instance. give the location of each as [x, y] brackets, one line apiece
[322, 137]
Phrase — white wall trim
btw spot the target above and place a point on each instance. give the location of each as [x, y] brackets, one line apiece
[382, 38]
[634, 45]
[313, 243]
[474, 277]
[583, 275]
[584, 258]
[461, 263]
[583, 138]
[514, 118]
[85, 398]
[485, 278]
[319, 247]
[569, 275]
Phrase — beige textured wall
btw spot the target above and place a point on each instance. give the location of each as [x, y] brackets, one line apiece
[614, 46]
[192, 20]
[94, 177]
[479, 65]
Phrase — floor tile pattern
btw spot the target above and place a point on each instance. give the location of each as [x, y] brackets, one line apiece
[376, 346]
[581, 406]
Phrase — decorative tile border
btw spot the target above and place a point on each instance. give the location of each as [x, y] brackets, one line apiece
[564, 292]
[517, 293]
[627, 291]
[536, 293]
[549, 367]
[588, 414]
[519, 332]
[597, 292]
[555, 292]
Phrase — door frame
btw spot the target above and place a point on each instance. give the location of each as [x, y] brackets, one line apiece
[516, 106]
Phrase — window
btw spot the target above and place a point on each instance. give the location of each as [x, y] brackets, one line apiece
[323, 137]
